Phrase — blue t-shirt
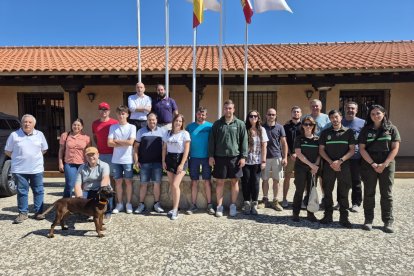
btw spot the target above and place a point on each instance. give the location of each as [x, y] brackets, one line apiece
[322, 122]
[356, 125]
[274, 133]
[164, 108]
[199, 139]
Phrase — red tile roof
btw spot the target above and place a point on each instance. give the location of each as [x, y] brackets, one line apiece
[267, 59]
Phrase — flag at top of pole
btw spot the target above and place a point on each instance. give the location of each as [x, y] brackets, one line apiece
[267, 5]
[247, 10]
[198, 9]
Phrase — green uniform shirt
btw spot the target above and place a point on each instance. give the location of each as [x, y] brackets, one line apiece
[228, 140]
[383, 142]
[337, 142]
[309, 148]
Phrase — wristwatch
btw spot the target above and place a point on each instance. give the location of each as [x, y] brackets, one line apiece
[342, 160]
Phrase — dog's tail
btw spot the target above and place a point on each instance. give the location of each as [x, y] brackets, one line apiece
[48, 210]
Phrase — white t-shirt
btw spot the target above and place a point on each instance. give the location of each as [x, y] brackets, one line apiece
[175, 142]
[122, 155]
[254, 155]
[27, 156]
[135, 102]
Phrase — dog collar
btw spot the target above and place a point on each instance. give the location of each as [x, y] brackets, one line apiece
[103, 202]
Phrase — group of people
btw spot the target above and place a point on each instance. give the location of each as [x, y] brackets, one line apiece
[155, 138]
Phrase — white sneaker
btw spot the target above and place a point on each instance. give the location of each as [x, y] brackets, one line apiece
[129, 208]
[140, 208]
[119, 208]
[174, 215]
[158, 208]
[233, 210]
[219, 211]
[355, 208]
[170, 212]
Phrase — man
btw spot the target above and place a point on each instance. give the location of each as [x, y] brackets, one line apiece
[321, 119]
[165, 108]
[276, 158]
[292, 130]
[336, 147]
[227, 150]
[148, 157]
[199, 133]
[139, 105]
[121, 137]
[92, 175]
[100, 130]
[356, 124]
[26, 147]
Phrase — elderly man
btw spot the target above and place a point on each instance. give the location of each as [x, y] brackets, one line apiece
[139, 105]
[26, 148]
[321, 119]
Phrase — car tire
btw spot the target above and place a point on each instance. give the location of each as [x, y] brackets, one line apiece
[7, 184]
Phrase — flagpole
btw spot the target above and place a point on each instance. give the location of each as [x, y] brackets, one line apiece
[245, 72]
[194, 73]
[167, 45]
[139, 38]
[220, 88]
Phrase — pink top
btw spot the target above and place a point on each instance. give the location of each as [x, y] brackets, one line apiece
[74, 147]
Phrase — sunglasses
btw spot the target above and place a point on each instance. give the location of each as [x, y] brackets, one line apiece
[103, 109]
[307, 124]
[253, 116]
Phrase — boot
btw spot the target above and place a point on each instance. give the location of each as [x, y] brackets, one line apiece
[246, 207]
[327, 218]
[295, 217]
[253, 209]
[344, 221]
[311, 217]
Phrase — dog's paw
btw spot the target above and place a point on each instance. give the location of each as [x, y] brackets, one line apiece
[50, 236]
[103, 228]
[101, 235]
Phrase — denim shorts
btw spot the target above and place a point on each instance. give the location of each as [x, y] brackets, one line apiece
[151, 172]
[194, 165]
[107, 158]
[122, 171]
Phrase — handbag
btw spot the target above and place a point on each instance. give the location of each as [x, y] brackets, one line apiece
[313, 203]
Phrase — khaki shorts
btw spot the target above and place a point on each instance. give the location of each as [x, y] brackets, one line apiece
[273, 169]
[289, 167]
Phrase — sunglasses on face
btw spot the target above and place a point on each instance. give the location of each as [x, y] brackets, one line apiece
[103, 109]
[253, 116]
[307, 124]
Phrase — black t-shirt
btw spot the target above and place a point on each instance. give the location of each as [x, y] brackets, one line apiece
[337, 142]
[292, 131]
[309, 148]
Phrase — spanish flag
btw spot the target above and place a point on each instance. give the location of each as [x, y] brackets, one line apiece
[198, 9]
[247, 10]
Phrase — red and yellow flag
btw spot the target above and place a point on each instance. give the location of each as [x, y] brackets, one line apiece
[247, 10]
[198, 9]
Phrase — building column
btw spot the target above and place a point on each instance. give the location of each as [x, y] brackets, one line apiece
[73, 91]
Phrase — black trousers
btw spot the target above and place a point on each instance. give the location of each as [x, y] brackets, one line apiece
[303, 178]
[250, 182]
[138, 123]
[386, 181]
[343, 178]
[356, 195]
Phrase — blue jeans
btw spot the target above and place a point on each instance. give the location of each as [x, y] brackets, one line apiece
[71, 170]
[151, 172]
[35, 181]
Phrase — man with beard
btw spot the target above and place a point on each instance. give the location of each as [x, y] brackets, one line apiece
[356, 124]
[336, 147]
[292, 130]
[164, 107]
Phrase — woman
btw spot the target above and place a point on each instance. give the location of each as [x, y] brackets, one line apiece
[175, 149]
[306, 165]
[71, 154]
[379, 142]
[255, 162]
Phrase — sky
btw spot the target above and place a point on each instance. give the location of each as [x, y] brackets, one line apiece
[114, 22]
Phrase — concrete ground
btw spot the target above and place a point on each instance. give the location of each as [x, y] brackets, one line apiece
[151, 244]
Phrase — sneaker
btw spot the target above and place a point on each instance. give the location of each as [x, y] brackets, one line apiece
[233, 210]
[107, 218]
[276, 205]
[285, 203]
[219, 211]
[157, 208]
[129, 208]
[140, 208]
[336, 207]
[38, 216]
[263, 203]
[388, 228]
[354, 208]
[246, 207]
[253, 209]
[20, 218]
[174, 215]
[170, 212]
[367, 226]
[119, 207]
[90, 219]
[311, 217]
[345, 223]
[192, 210]
[210, 209]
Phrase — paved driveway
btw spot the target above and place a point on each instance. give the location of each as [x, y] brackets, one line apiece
[269, 244]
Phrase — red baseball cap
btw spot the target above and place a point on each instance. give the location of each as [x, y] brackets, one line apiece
[104, 105]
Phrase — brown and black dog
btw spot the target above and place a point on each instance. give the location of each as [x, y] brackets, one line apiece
[95, 207]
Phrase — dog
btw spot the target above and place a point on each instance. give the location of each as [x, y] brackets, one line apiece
[95, 207]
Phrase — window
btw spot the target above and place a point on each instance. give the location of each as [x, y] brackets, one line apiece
[364, 98]
[260, 101]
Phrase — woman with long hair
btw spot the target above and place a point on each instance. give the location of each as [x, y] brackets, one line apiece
[379, 142]
[255, 162]
[71, 154]
[306, 165]
[175, 149]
